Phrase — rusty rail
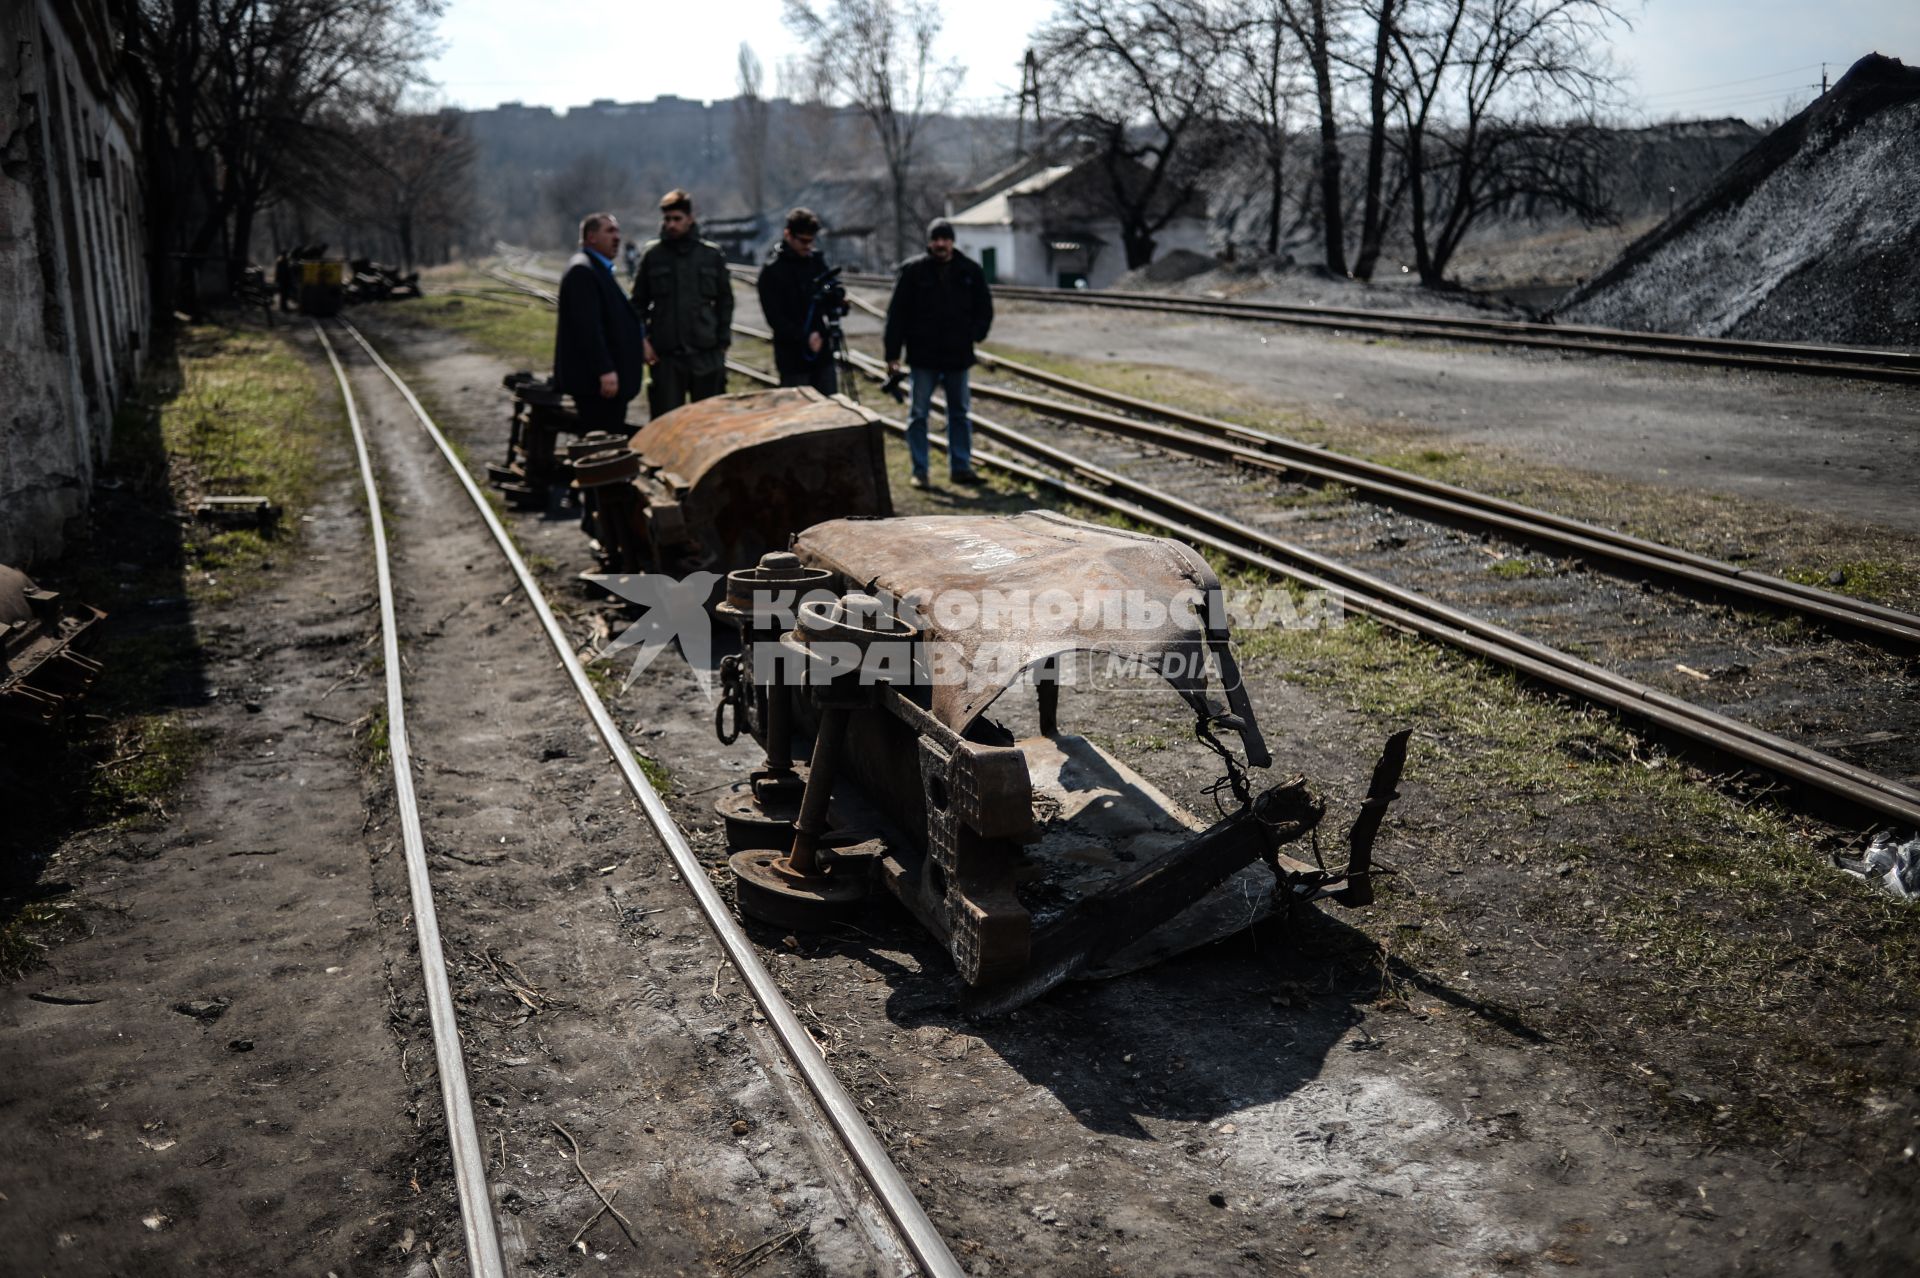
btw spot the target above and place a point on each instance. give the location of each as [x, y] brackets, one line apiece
[1865, 363]
[1407, 610]
[837, 1108]
[1410, 611]
[1223, 441]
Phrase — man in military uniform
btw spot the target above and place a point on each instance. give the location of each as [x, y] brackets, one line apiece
[684, 297]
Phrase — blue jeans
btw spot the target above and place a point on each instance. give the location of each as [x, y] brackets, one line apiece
[959, 426]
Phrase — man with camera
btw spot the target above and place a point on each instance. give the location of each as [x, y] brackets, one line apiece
[802, 301]
[684, 296]
[940, 308]
[598, 344]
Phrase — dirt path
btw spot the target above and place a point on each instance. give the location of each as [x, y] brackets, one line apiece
[1845, 449]
[1301, 1100]
[206, 1081]
[585, 973]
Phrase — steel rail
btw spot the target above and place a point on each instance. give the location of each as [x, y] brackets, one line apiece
[484, 1257]
[1872, 365]
[922, 1240]
[1755, 746]
[1231, 443]
[1201, 437]
[1359, 473]
[1410, 610]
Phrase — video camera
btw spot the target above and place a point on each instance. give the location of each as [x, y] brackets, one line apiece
[829, 296]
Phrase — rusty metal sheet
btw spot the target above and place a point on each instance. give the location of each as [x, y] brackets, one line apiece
[748, 471]
[920, 561]
[694, 438]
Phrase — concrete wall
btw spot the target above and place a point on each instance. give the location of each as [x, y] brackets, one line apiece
[74, 312]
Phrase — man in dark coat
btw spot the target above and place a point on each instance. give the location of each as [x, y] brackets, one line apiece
[940, 308]
[684, 295]
[787, 284]
[599, 346]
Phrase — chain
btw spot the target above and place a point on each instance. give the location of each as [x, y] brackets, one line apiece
[731, 695]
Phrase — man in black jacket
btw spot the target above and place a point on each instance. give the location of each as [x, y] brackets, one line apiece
[599, 345]
[940, 308]
[787, 282]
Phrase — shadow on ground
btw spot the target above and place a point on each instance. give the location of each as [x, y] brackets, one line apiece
[113, 758]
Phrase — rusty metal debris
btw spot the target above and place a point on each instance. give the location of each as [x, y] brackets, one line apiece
[540, 416]
[911, 785]
[712, 485]
[44, 670]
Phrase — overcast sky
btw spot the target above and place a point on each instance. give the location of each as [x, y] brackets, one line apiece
[1686, 57]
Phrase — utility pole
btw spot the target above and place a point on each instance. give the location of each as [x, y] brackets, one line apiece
[1029, 96]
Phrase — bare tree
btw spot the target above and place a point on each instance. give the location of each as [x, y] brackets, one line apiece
[1316, 24]
[247, 99]
[1141, 78]
[1497, 106]
[417, 179]
[878, 57]
[750, 130]
[1382, 95]
[1260, 92]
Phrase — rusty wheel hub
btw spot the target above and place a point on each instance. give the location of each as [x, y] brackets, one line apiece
[771, 890]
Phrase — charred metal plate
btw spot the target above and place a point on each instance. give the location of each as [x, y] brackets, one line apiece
[1103, 820]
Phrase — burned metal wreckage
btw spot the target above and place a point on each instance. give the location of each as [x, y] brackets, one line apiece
[712, 485]
[891, 639]
[42, 670]
[877, 646]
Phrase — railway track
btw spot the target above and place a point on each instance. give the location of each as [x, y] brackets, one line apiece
[1865, 363]
[837, 1120]
[1103, 483]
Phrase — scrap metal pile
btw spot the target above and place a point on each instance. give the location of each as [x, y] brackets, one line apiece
[867, 669]
[44, 671]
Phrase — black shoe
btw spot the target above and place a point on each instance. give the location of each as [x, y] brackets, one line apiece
[918, 480]
[968, 478]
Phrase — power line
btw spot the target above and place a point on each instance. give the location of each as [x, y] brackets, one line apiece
[1772, 75]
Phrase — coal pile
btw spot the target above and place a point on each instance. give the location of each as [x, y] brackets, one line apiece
[1812, 236]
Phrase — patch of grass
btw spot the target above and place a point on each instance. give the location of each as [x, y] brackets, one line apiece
[26, 935]
[244, 417]
[151, 757]
[1876, 580]
[376, 743]
[522, 335]
[1720, 925]
[1514, 568]
[658, 774]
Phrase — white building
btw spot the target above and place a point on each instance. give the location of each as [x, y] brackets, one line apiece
[1054, 227]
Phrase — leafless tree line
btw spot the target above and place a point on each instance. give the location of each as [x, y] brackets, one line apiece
[252, 104]
[1455, 108]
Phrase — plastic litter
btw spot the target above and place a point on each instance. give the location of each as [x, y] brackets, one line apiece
[1891, 864]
